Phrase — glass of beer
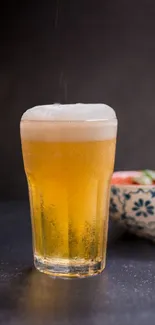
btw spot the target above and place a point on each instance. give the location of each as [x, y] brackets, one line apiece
[68, 153]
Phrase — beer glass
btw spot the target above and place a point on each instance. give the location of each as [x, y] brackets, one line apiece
[68, 153]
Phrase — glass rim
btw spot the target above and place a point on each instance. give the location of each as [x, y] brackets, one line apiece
[70, 121]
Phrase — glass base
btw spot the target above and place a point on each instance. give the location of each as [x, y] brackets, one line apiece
[66, 269]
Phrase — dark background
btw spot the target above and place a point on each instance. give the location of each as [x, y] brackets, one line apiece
[77, 51]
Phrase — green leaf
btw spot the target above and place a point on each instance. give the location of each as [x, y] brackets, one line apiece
[143, 180]
[149, 173]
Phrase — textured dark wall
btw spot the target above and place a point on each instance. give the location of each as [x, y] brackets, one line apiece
[77, 51]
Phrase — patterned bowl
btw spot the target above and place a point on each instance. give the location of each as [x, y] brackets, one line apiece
[134, 206]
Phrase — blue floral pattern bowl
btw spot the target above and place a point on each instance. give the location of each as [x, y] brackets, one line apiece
[134, 207]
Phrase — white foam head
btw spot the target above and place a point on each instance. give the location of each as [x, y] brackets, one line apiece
[70, 112]
[72, 122]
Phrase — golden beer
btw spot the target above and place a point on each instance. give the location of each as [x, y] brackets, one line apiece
[68, 165]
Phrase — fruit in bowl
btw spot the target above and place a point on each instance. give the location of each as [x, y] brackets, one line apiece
[132, 201]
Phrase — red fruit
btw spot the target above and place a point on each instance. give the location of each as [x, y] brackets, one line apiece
[124, 178]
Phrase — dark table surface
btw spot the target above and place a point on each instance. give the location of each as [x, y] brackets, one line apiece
[123, 295]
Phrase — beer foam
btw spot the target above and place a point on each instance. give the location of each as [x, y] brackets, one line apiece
[70, 112]
[69, 123]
